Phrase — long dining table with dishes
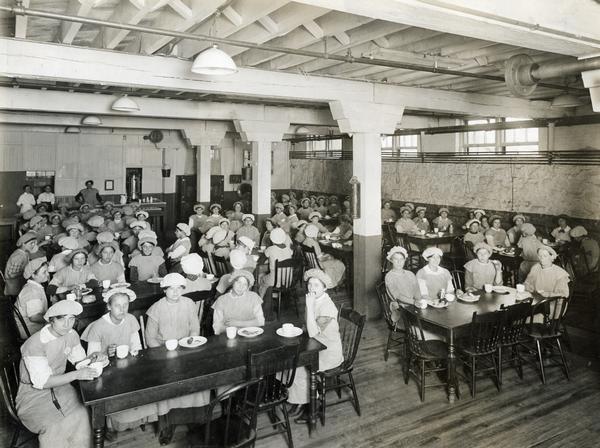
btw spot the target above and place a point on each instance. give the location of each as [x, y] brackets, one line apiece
[159, 373]
[451, 316]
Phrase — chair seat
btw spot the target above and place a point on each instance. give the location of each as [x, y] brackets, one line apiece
[433, 349]
[242, 435]
[539, 331]
[339, 370]
[465, 347]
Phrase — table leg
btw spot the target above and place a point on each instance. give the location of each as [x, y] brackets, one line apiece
[98, 419]
[451, 368]
[312, 424]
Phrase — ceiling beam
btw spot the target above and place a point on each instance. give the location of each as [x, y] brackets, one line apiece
[21, 23]
[81, 8]
[314, 29]
[181, 8]
[269, 24]
[567, 27]
[53, 62]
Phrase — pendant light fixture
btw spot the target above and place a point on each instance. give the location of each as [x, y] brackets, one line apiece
[125, 104]
[214, 61]
[566, 100]
[91, 120]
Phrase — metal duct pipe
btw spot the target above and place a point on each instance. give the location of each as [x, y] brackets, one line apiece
[554, 69]
[19, 10]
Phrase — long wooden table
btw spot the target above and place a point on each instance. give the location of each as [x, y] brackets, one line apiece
[457, 316]
[157, 374]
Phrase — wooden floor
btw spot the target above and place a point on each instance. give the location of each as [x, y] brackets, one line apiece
[525, 414]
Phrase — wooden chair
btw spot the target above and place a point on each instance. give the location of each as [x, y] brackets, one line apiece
[277, 368]
[423, 356]
[18, 321]
[311, 261]
[222, 265]
[143, 332]
[396, 334]
[209, 266]
[548, 333]
[286, 275]
[513, 334]
[231, 418]
[468, 249]
[413, 262]
[9, 385]
[482, 345]
[351, 327]
[458, 278]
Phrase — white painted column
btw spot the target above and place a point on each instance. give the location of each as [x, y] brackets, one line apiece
[366, 166]
[203, 164]
[261, 178]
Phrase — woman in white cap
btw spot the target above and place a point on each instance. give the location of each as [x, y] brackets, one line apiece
[225, 224]
[401, 284]
[387, 212]
[314, 219]
[236, 216]
[420, 220]
[179, 248]
[473, 235]
[106, 238]
[147, 264]
[442, 222]
[265, 241]
[96, 225]
[26, 246]
[248, 229]
[482, 270]
[193, 266]
[496, 236]
[143, 215]
[53, 227]
[107, 268]
[305, 210]
[46, 402]
[321, 206]
[529, 245]
[217, 244]
[279, 251]
[246, 245]
[545, 277]
[405, 224]
[239, 307]
[130, 243]
[585, 260]
[215, 215]
[197, 223]
[433, 278]
[321, 324]
[58, 261]
[75, 230]
[76, 275]
[117, 223]
[344, 229]
[279, 218]
[561, 233]
[32, 302]
[514, 233]
[84, 212]
[334, 268]
[238, 260]
[299, 236]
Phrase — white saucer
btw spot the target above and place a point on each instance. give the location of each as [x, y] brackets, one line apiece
[198, 341]
[250, 332]
[295, 331]
[154, 280]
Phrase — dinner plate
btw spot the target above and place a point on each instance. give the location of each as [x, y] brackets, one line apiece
[469, 298]
[84, 291]
[295, 331]
[90, 298]
[120, 285]
[250, 332]
[86, 362]
[197, 341]
[154, 280]
[324, 241]
[500, 289]
[437, 304]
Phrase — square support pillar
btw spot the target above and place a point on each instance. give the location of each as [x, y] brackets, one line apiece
[203, 165]
[261, 180]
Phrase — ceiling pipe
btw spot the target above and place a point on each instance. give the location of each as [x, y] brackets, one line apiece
[20, 10]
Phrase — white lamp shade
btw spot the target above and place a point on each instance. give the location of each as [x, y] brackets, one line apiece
[125, 104]
[213, 62]
[566, 100]
[91, 120]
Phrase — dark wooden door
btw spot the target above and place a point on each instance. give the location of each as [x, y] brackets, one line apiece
[217, 189]
[11, 187]
[185, 197]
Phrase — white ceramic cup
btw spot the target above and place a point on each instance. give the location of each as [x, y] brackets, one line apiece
[71, 296]
[47, 237]
[210, 276]
[545, 240]
[262, 248]
[436, 230]
[287, 328]
[488, 287]
[231, 332]
[122, 351]
[171, 344]
[327, 236]
[440, 233]
[97, 366]
[449, 297]
[520, 287]
[105, 284]
[422, 232]
[117, 235]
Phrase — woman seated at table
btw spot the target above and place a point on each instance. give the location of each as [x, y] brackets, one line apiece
[545, 277]
[332, 267]
[322, 325]
[405, 224]
[482, 270]
[387, 212]
[496, 236]
[225, 224]
[54, 227]
[484, 224]
[58, 261]
[442, 222]
[179, 248]
[47, 404]
[32, 302]
[333, 208]
[279, 251]
[236, 216]
[586, 259]
[130, 242]
[314, 218]
[344, 230]
[106, 268]
[109, 238]
[529, 245]
[292, 218]
[238, 259]
[305, 210]
[207, 237]
[248, 229]
[218, 245]
[173, 317]
[420, 220]
[143, 215]
[246, 245]
[299, 236]
[514, 233]
[265, 241]
[75, 230]
[474, 235]
[432, 278]
[239, 307]
[215, 215]
[197, 223]
[76, 275]
[279, 219]
[193, 266]
[147, 264]
[117, 223]
[561, 233]
[401, 285]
